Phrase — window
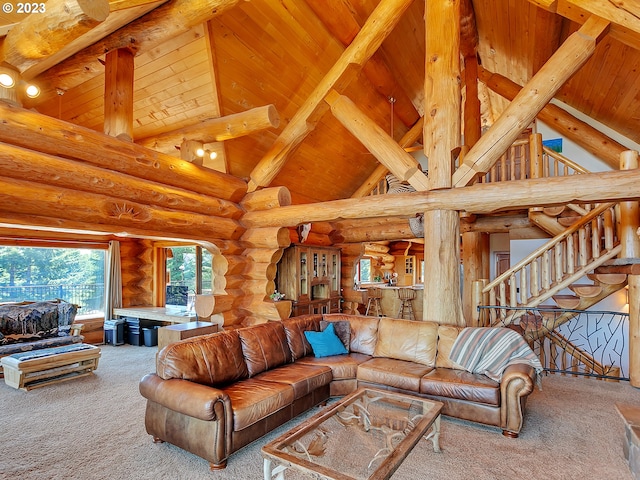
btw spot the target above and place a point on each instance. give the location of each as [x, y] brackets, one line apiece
[363, 271]
[34, 274]
[190, 267]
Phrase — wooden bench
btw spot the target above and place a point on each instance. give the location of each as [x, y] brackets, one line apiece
[28, 370]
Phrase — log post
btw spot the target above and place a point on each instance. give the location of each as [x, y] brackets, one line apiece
[441, 299]
[118, 94]
[629, 213]
[475, 255]
[634, 330]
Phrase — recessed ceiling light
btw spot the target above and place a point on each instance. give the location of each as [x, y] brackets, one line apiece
[7, 80]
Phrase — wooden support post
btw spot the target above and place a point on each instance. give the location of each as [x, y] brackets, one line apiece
[441, 135]
[475, 261]
[634, 330]
[118, 94]
[629, 213]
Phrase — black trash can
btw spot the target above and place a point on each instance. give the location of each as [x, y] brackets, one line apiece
[150, 336]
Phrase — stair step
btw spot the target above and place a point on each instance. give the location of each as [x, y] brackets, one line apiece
[567, 301]
[608, 278]
[553, 211]
[568, 221]
[586, 290]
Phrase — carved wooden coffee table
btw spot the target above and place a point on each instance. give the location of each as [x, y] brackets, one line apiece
[364, 436]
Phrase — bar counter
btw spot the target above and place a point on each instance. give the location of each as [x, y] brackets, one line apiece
[390, 301]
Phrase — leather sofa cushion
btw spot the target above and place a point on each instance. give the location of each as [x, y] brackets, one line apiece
[304, 378]
[364, 331]
[294, 329]
[393, 373]
[253, 399]
[342, 366]
[413, 341]
[212, 360]
[461, 385]
[264, 347]
[447, 335]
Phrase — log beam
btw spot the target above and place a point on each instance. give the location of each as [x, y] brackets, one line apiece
[22, 164]
[44, 33]
[339, 19]
[574, 129]
[482, 198]
[567, 60]
[217, 129]
[18, 197]
[377, 27]
[409, 138]
[377, 141]
[56, 137]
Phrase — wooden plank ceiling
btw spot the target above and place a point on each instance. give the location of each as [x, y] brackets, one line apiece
[275, 52]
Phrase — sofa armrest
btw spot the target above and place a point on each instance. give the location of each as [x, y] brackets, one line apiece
[183, 396]
[516, 384]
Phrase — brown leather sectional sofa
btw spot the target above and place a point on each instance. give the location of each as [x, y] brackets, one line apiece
[216, 393]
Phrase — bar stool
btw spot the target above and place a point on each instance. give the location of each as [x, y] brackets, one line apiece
[406, 296]
[374, 295]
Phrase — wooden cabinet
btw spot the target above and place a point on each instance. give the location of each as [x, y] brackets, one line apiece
[310, 277]
[405, 267]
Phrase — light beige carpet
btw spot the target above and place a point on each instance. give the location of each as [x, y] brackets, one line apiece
[93, 428]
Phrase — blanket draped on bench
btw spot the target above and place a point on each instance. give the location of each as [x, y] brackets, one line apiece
[489, 350]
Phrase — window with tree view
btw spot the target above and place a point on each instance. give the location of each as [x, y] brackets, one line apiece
[76, 275]
[190, 267]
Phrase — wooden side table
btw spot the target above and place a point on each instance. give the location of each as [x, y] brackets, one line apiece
[180, 331]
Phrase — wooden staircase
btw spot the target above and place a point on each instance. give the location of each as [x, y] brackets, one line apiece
[585, 238]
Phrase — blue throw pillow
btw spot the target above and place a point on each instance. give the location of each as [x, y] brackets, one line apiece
[325, 343]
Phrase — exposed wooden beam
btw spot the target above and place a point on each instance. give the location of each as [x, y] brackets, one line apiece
[377, 141]
[38, 199]
[622, 15]
[159, 25]
[377, 27]
[23, 164]
[583, 134]
[481, 198]
[118, 94]
[50, 135]
[339, 19]
[381, 171]
[46, 32]
[567, 60]
[217, 129]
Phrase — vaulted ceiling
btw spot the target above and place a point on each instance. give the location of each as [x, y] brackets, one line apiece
[275, 52]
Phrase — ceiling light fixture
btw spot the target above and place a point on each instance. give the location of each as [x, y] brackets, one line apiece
[6, 80]
[32, 91]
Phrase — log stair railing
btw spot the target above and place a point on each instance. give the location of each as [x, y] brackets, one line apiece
[562, 261]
